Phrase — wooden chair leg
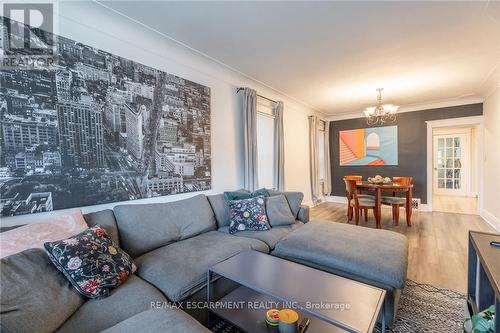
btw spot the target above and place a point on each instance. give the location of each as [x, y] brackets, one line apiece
[366, 214]
[394, 214]
[356, 216]
[396, 211]
[349, 212]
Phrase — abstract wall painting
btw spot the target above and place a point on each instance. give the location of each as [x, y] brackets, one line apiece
[369, 146]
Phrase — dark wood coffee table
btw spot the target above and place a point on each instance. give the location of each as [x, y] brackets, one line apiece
[332, 303]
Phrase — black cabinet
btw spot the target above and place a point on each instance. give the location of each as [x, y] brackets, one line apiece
[483, 285]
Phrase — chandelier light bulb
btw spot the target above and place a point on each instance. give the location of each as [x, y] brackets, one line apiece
[381, 113]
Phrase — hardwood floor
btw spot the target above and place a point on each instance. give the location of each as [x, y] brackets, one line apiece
[437, 242]
[454, 204]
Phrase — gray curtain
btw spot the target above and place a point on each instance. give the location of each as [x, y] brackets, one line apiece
[250, 138]
[279, 148]
[314, 158]
[328, 172]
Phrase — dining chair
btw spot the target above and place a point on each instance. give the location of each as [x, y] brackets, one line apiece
[360, 195]
[395, 201]
[357, 203]
[356, 178]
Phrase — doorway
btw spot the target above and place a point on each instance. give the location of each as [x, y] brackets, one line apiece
[455, 165]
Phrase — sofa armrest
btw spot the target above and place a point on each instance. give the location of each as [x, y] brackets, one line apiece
[303, 214]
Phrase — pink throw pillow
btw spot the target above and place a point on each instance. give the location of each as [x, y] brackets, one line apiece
[35, 235]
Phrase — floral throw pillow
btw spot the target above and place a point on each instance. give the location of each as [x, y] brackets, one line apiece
[247, 214]
[91, 261]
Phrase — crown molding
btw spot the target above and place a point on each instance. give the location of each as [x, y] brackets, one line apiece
[416, 107]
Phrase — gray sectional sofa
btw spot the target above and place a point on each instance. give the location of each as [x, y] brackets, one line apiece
[173, 245]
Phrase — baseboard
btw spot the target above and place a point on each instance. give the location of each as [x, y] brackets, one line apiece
[425, 208]
[335, 198]
[491, 219]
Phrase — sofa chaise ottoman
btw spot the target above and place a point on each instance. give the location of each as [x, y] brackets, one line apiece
[372, 256]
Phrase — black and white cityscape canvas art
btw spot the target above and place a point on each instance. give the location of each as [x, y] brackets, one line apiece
[92, 128]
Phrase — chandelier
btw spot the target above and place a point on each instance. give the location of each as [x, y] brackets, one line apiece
[381, 113]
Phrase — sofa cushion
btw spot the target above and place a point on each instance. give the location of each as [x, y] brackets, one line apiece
[220, 207]
[366, 202]
[278, 211]
[180, 269]
[34, 295]
[347, 248]
[393, 200]
[159, 320]
[147, 227]
[303, 214]
[91, 261]
[271, 237]
[131, 298]
[294, 199]
[106, 219]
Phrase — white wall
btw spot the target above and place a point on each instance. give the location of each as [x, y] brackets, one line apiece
[491, 164]
[91, 24]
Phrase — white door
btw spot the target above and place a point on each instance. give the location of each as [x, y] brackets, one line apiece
[451, 164]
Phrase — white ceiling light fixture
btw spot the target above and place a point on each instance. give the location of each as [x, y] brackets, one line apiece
[382, 113]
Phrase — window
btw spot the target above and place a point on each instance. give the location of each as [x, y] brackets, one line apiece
[265, 142]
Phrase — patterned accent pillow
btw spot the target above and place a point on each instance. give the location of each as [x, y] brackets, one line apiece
[248, 214]
[91, 261]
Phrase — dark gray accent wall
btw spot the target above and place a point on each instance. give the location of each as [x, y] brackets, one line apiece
[412, 147]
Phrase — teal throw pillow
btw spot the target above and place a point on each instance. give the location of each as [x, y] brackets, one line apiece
[239, 195]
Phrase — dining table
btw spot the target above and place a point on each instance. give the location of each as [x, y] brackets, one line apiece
[378, 188]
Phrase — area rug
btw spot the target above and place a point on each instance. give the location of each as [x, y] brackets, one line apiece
[425, 308]
[422, 308]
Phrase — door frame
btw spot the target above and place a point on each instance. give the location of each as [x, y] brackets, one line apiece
[474, 120]
[466, 172]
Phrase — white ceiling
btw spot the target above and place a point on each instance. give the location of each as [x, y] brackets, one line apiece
[333, 55]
